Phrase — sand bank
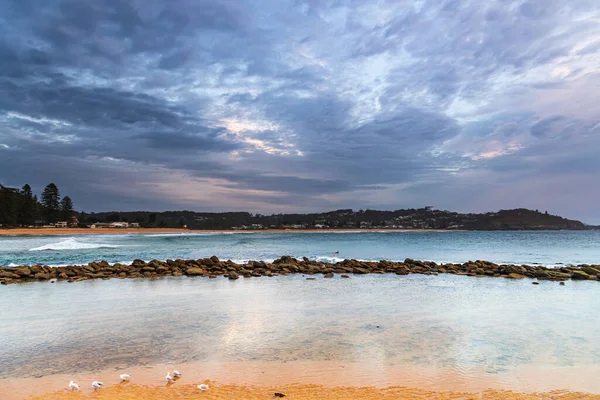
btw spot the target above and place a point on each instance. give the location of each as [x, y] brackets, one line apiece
[314, 380]
[298, 392]
[116, 231]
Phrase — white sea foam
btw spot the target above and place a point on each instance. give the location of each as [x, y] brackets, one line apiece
[73, 244]
[181, 234]
[328, 259]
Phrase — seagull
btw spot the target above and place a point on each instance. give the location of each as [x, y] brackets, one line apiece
[176, 374]
[73, 386]
[203, 386]
[169, 378]
[125, 377]
[97, 385]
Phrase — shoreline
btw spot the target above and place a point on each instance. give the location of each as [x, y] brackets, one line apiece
[116, 231]
[312, 379]
[213, 267]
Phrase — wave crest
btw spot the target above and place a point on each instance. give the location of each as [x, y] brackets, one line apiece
[73, 244]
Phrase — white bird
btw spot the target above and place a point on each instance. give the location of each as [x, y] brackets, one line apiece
[125, 377]
[203, 386]
[176, 374]
[73, 386]
[97, 385]
[169, 378]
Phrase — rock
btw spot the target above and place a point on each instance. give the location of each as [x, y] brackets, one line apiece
[42, 276]
[561, 276]
[535, 283]
[286, 260]
[233, 275]
[590, 270]
[311, 279]
[22, 271]
[562, 284]
[579, 275]
[345, 276]
[215, 260]
[514, 275]
[515, 269]
[278, 394]
[194, 271]
[212, 276]
[541, 274]
[328, 275]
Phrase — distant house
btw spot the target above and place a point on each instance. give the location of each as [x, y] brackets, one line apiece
[61, 224]
[2, 187]
[134, 225]
[73, 221]
[118, 225]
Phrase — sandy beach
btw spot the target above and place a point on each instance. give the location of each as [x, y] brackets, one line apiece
[301, 392]
[307, 380]
[116, 231]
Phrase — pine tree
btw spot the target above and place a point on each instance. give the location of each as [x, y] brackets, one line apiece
[66, 208]
[27, 207]
[9, 203]
[51, 202]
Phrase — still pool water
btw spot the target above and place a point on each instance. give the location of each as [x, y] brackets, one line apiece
[447, 322]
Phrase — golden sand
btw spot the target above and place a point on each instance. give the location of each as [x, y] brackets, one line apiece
[296, 392]
[310, 380]
[85, 231]
[113, 231]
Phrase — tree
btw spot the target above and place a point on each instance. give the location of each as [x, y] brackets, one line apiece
[66, 208]
[27, 207]
[51, 202]
[9, 202]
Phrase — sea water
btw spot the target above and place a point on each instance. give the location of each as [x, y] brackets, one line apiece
[468, 325]
[518, 247]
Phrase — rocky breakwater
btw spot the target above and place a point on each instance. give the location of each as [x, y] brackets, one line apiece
[213, 268]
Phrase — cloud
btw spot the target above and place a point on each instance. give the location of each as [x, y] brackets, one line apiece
[301, 105]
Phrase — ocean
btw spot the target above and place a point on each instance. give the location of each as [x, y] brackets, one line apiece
[517, 247]
[452, 331]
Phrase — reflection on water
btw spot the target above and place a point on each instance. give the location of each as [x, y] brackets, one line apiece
[454, 323]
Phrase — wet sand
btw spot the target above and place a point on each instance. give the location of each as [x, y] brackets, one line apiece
[313, 380]
[116, 231]
[297, 392]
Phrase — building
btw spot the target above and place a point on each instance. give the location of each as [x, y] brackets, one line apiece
[2, 187]
[118, 225]
[136, 225]
[61, 224]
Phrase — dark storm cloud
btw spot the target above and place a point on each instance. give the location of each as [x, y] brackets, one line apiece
[270, 104]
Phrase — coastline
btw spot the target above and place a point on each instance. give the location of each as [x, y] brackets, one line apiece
[116, 231]
[312, 379]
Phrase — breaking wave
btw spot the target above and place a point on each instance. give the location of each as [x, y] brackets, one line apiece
[73, 244]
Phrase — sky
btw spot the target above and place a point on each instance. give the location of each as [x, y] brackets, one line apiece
[302, 106]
